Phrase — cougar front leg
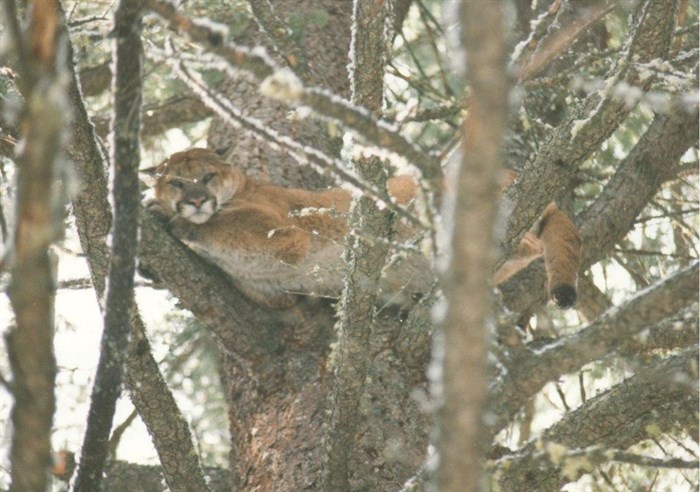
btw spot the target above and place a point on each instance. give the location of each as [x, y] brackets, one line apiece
[562, 255]
[184, 230]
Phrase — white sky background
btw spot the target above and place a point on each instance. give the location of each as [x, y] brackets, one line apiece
[77, 346]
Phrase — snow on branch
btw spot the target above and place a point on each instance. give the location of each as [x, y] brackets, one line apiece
[256, 62]
[351, 355]
[605, 335]
[596, 118]
[303, 154]
[618, 418]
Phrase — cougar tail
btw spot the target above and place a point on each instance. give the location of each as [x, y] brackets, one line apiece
[562, 255]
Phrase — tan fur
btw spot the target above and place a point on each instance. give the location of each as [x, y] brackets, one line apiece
[274, 242]
[277, 242]
[558, 241]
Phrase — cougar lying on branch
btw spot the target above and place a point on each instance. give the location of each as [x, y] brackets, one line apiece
[276, 243]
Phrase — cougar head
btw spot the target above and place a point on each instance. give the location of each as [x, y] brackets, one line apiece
[195, 183]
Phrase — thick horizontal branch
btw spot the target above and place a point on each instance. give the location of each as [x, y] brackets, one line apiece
[675, 333]
[664, 395]
[208, 293]
[123, 476]
[610, 331]
[284, 85]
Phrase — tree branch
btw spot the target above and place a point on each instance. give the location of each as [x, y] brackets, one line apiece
[663, 395]
[128, 52]
[592, 122]
[609, 332]
[303, 154]
[121, 476]
[325, 104]
[358, 316]
[652, 162]
[95, 80]
[461, 348]
[279, 33]
[92, 212]
[158, 118]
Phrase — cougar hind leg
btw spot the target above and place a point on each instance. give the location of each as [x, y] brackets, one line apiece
[562, 255]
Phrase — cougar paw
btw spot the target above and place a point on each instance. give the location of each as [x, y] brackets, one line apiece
[183, 230]
[564, 295]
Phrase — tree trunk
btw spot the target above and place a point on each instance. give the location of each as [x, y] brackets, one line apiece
[277, 417]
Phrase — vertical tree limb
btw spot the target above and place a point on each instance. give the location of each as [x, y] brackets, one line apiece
[461, 347]
[366, 259]
[148, 390]
[32, 284]
[120, 284]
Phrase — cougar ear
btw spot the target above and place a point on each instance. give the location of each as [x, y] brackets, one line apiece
[149, 176]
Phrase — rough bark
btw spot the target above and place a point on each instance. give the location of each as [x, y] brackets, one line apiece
[612, 330]
[653, 161]
[93, 219]
[275, 366]
[120, 285]
[589, 125]
[281, 376]
[653, 401]
[366, 258]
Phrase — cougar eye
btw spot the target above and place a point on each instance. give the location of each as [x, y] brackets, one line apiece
[176, 183]
[208, 177]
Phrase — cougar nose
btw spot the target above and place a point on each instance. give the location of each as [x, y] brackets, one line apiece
[197, 201]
